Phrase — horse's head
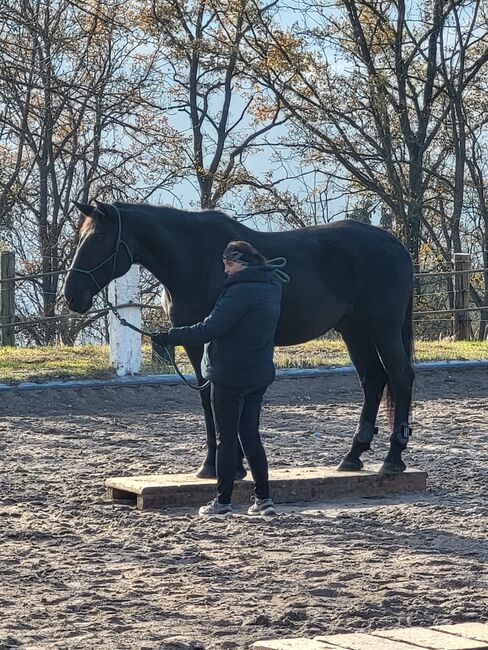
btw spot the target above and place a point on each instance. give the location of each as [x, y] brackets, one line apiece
[102, 254]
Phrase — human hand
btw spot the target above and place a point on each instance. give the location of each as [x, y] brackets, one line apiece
[160, 338]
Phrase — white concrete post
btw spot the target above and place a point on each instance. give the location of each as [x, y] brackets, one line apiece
[125, 343]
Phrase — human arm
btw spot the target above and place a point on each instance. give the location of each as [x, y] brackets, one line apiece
[229, 309]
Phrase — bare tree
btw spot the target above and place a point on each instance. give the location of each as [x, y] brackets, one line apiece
[368, 92]
[476, 192]
[78, 117]
[211, 95]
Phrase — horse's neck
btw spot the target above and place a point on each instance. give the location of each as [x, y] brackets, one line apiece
[163, 247]
[172, 247]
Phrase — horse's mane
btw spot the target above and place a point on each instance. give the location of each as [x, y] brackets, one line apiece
[168, 211]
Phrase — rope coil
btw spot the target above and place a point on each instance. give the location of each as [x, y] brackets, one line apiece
[277, 264]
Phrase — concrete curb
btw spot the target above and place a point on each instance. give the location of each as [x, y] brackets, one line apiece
[170, 380]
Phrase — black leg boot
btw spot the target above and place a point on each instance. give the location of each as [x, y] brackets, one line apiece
[361, 442]
[393, 463]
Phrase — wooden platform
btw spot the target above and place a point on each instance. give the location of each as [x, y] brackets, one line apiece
[288, 485]
[464, 636]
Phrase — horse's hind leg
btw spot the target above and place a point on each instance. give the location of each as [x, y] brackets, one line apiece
[373, 379]
[400, 381]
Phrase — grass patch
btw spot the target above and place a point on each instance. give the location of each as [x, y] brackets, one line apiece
[91, 361]
[54, 362]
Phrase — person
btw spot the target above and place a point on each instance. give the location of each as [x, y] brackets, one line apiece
[238, 361]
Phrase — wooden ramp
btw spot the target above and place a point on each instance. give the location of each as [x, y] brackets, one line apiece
[464, 636]
[288, 485]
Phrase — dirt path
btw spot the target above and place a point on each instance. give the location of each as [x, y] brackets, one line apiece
[78, 572]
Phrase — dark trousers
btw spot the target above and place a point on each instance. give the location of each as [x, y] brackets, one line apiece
[236, 414]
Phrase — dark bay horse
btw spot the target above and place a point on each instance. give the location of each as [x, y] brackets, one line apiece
[345, 275]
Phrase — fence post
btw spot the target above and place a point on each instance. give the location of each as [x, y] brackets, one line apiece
[7, 298]
[125, 344]
[462, 329]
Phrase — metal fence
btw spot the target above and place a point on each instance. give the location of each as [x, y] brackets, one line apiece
[447, 303]
[92, 326]
[452, 302]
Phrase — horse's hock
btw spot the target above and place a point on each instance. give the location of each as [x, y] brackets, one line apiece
[288, 485]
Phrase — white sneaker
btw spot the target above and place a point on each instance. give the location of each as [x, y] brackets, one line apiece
[215, 508]
[264, 507]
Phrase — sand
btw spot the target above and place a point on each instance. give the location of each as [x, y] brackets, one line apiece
[77, 571]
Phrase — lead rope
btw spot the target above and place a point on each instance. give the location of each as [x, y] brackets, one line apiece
[124, 322]
[114, 309]
[277, 264]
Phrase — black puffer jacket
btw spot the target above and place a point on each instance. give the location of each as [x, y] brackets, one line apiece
[239, 332]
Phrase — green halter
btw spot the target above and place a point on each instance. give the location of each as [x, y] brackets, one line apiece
[113, 308]
[119, 241]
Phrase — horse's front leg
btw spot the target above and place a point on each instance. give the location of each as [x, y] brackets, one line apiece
[207, 468]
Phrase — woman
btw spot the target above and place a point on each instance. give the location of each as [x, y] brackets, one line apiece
[238, 361]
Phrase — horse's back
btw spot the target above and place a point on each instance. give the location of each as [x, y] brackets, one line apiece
[345, 269]
[343, 254]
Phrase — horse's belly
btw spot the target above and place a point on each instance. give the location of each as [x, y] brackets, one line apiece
[306, 322]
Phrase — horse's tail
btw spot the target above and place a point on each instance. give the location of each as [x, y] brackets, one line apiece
[408, 344]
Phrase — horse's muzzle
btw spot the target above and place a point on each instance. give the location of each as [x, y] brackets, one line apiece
[79, 301]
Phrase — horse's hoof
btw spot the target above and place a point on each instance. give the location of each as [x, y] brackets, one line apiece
[392, 468]
[348, 465]
[240, 474]
[206, 471]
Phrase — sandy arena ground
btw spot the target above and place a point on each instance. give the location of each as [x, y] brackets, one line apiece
[79, 572]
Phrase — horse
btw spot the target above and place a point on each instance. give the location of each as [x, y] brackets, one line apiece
[350, 276]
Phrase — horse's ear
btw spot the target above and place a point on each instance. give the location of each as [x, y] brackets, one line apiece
[106, 209]
[84, 208]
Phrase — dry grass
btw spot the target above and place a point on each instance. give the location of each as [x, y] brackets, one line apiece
[89, 361]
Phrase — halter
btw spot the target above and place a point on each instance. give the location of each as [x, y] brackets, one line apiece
[113, 256]
[114, 309]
